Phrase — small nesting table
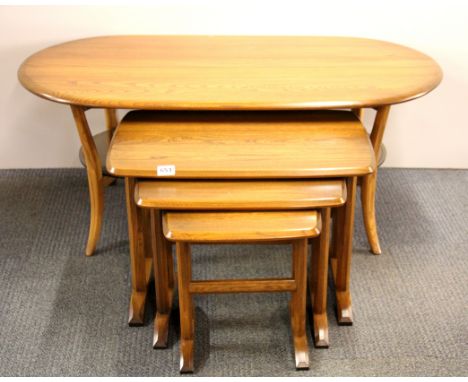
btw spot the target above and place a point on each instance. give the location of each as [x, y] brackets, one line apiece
[296, 227]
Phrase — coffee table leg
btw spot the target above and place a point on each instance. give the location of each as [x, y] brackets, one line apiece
[140, 255]
[368, 188]
[111, 119]
[369, 182]
[95, 179]
[341, 258]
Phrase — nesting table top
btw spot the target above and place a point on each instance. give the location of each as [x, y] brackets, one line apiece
[229, 72]
[240, 145]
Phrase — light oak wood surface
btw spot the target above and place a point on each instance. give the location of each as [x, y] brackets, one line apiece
[300, 144]
[240, 195]
[240, 226]
[229, 72]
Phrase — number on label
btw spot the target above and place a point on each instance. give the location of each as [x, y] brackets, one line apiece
[166, 170]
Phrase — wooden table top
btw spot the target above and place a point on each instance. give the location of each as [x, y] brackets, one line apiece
[229, 72]
[240, 145]
[200, 227]
[251, 195]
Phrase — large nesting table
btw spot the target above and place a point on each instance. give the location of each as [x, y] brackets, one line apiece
[227, 73]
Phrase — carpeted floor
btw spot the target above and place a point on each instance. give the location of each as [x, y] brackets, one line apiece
[64, 314]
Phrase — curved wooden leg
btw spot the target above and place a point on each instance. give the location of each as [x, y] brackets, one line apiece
[95, 183]
[318, 282]
[96, 180]
[297, 306]
[184, 270]
[162, 259]
[369, 182]
[96, 196]
[341, 259]
[368, 187]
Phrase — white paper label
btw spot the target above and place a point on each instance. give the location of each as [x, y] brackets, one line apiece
[166, 170]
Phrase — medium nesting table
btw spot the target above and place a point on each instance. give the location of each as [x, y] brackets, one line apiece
[227, 73]
[212, 160]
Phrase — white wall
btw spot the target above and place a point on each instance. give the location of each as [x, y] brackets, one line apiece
[428, 132]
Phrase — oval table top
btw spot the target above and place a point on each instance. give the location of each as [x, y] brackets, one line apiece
[229, 72]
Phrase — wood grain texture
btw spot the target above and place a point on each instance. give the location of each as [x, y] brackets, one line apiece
[229, 72]
[297, 144]
[240, 195]
[240, 226]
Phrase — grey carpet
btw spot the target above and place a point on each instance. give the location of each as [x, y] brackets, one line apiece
[64, 314]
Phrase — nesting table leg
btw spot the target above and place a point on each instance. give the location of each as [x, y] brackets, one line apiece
[163, 280]
[140, 262]
[341, 259]
[184, 270]
[297, 307]
[318, 282]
